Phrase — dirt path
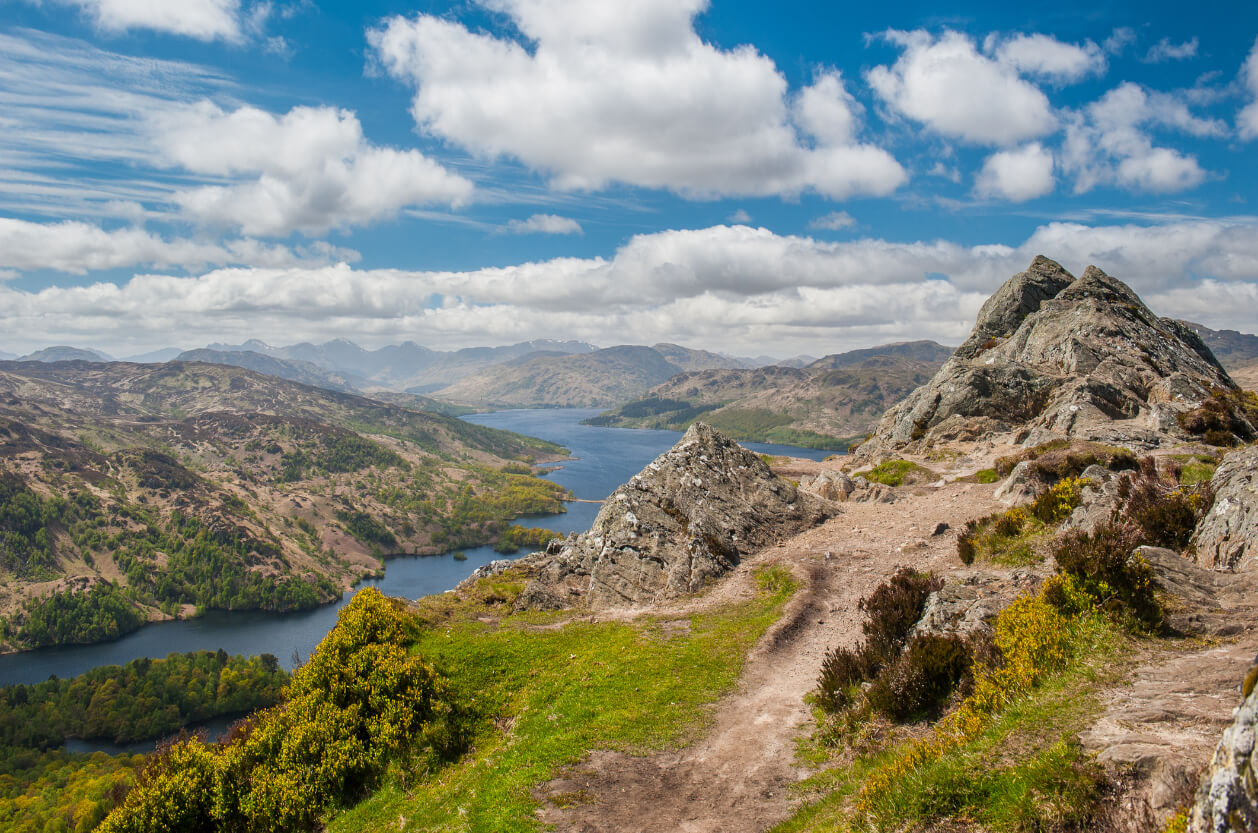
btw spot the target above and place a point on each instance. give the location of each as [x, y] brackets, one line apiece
[736, 778]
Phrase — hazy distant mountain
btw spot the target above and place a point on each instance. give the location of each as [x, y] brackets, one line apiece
[1233, 349]
[7, 356]
[922, 351]
[585, 380]
[62, 353]
[832, 400]
[166, 354]
[295, 371]
[407, 366]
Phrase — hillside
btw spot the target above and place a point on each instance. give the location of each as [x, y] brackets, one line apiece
[586, 380]
[1233, 349]
[827, 404]
[132, 492]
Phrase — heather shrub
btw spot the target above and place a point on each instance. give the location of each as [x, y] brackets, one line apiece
[1057, 459]
[1056, 504]
[1223, 417]
[1102, 567]
[892, 610]
[922, 678]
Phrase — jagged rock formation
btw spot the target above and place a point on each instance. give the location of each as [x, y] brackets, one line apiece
[1054, 356]
[1227, 801]
[1227, 537]
[689, 517]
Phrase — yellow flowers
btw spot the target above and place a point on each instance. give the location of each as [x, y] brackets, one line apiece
[1033, 638]
[360, 701]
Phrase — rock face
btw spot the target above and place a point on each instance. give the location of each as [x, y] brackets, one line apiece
[1227, 537]
[1055, 356]
[1227, 801]
[684, 520]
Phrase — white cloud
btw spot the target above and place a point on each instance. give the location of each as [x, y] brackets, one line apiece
[1164, 50]
[1108, 143]
[629, 93]
[740, 217]
[80, 247]
[545, 224]
[314, 169]
[1247, 119]
[1119, 39]
[732, 288]
[1017, 175]
[834, 221]
[947, 85]
[1048, 57]
[201, 19]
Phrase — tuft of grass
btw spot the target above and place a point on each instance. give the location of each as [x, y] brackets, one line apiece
[546, 695]
[897, 473]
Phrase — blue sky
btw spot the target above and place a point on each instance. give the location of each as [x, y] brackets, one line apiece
[810, 179]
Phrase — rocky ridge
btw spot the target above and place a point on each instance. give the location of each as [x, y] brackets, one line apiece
[1054, 356]
[685, 520]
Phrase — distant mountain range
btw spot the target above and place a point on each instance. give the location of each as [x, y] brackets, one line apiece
[598, 379]
[825, 405]
[1231, 348]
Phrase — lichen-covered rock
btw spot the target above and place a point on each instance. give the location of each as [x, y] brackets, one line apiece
[828, 484]
[963, 608]
[1227, 537]
[686, 519]
[1227, 800]
[1098, 500]
[1053, 356]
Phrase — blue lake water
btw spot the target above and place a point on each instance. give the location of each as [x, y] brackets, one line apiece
[604, 459]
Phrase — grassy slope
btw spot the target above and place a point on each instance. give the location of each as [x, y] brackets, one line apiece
[549, 696]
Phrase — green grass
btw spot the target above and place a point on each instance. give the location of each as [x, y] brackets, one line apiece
[1023, 773]
[986, 476]
[548, 695]
[896, 473]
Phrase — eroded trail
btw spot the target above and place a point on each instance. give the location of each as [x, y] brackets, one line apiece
[736, 778]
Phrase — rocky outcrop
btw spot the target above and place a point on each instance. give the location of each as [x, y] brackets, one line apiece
[1227, 537]
[1054, 356]
[1227, 801]
[685, 520]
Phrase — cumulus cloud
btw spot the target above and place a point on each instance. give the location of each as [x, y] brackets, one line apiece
[545, 224]
[1047, 57]
[309, 170]
[733, 288]
[833, 221]
[1108, 142]
[947, 84]
[78, 248]
[740, 217]
[200, 19]
[1247, 119]
[1017, 175]
[1164, 50]
[598, 93]
[1119, 40]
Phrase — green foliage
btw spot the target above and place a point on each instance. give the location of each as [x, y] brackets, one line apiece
[366, 528]
[145, 699]
[66, 618]
[1011, 537]
[987, 476]
[896, 473]
[28, 526]
[53, 792]
[516, 538]
[361, 702]
[336, 452]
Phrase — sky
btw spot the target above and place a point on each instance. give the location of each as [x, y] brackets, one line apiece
[786, 178]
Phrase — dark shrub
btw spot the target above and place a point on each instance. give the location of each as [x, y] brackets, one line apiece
[840, 671]
[1103, 565]
[922, 678]
[893, 609]
[967, 551]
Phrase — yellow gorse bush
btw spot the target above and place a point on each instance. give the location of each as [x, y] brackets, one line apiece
[1033, 638]
[361, 701]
